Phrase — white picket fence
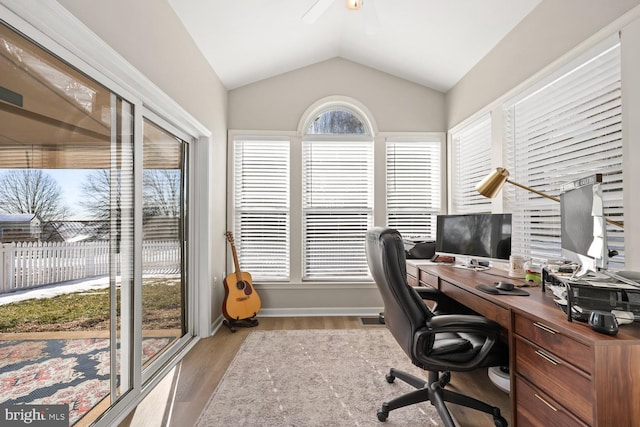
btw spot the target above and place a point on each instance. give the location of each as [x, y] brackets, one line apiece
[26, 265]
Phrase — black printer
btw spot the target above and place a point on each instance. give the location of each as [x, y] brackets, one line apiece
[417, 249]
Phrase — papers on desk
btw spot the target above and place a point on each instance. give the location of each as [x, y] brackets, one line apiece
[472, 267]
[617, 285]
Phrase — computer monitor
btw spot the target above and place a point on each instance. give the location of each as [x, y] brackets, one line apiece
[582, 224]
[485, 236]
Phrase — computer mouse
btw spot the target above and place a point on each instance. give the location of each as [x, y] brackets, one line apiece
[504, 286]
[603, 322]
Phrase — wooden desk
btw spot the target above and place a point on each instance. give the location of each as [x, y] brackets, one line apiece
[562, 373]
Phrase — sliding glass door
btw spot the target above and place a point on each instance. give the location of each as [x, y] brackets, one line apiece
[93, 226]
[164, 283]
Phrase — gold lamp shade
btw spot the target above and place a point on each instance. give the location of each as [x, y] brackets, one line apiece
[492, 183]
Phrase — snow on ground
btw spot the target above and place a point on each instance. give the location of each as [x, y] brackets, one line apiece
[53, 290]
[50, 291]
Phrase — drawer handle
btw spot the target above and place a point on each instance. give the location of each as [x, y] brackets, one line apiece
[546, 403]
[545, 328]
[548, 358]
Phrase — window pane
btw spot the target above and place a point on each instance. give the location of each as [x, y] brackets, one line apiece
[413, 187]
[567, 130]
[163, 240]
[471, 162]
[337, 208]
[337, 121]
[261, 186]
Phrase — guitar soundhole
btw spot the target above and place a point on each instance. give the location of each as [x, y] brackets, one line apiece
[242, 285]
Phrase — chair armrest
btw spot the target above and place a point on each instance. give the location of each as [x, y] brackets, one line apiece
[462, 323]
[456, 323]
[428, 293]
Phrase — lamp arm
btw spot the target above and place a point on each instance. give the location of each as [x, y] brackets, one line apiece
[616, 223]
[540, 193]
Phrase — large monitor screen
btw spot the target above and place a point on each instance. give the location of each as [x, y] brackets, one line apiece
[582, 228]
[475, 235]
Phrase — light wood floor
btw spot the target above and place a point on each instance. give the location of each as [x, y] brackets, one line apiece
[199, 372]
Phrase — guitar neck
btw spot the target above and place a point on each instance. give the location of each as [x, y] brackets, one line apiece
[236, 264]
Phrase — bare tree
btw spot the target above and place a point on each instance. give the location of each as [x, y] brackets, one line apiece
[161, 190]
[96, 194]
[31, 191]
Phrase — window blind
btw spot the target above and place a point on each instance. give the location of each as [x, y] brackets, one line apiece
[471, 162]
[570, 128]
[337, 208]
[413, 193]
[261, 185]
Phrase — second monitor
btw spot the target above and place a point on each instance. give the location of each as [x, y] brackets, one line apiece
[475, 235]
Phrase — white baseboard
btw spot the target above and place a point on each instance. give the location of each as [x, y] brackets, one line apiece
[308, 312]
[320, 311]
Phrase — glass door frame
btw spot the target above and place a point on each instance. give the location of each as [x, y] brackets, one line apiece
[155, 366]
[57, 31]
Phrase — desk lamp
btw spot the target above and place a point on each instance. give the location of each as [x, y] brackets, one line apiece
[492, 184]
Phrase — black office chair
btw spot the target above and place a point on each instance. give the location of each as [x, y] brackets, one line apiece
[436, 343]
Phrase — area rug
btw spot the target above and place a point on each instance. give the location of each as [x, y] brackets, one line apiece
[314, 378]
[58, 371]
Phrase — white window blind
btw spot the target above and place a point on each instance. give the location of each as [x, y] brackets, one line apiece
[471, 162]
[413, 186]
[337, 201]
[570, 128]
[261, 185]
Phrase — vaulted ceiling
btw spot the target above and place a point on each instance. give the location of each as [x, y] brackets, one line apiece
[430, 42]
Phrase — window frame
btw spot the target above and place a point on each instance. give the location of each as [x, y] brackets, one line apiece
[232, 204]
[370, 210]
[549, 211]
[379, 206]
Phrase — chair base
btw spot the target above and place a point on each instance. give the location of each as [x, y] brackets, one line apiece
[433, 390]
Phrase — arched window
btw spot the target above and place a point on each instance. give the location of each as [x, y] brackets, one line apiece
[337, 193]
[337, 121]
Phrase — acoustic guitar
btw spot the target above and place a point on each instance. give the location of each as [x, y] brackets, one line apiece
[241, 301]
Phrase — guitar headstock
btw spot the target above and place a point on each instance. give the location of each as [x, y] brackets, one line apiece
[229, 236]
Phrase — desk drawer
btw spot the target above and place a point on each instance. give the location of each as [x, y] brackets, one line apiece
[428, 279]
[412, 281]
[548, 338]
[555, 377]
[412, 270]
[476, 303]
[535, 409]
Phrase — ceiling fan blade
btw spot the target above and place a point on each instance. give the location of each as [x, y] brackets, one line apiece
[315, 11]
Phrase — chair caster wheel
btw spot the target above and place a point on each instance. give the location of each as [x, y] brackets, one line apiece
[383, 415]
[390, 378]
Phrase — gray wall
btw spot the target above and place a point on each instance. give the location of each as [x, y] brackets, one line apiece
[279, 102]
[148, 34]
[548, 32]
